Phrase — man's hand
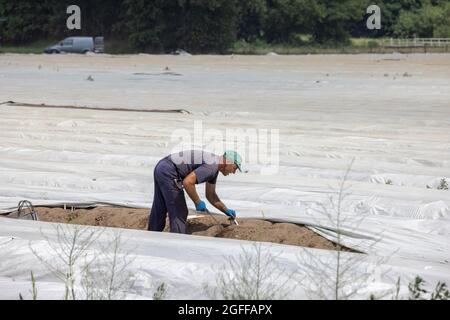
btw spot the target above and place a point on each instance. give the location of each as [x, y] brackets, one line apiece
[231, 213]
[201, 206]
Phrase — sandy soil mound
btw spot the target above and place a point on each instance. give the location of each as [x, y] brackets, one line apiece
[128, 218]
[258, 230]
[212, 226]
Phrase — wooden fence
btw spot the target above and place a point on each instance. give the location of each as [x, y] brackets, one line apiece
[417, 43]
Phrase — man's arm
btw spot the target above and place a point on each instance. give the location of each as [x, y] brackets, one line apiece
[213, 198]
[189, 185]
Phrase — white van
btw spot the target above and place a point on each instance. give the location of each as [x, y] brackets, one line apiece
[78, 45]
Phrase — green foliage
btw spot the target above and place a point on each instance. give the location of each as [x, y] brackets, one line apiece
[209, 25]
[432, 19]
[251, 19]
[329, 22]
[390, 12]
[417, 292]
[443, 185]
[24, 20]
[335, 18]
[160, 292]
[192, 25]
[203, 26]
[30, 21]
[33, 287]
[32, 47]
[440, 292]
[141, 22]
[253, 275]
[285, 18]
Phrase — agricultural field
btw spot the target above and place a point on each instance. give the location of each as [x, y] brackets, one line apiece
[346, 164]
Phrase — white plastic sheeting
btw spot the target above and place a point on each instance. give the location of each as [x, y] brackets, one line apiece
[187, 263]
[396, 129]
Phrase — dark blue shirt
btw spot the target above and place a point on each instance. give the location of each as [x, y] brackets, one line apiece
[204, 164]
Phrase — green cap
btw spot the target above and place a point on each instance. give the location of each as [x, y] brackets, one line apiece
[235, 157]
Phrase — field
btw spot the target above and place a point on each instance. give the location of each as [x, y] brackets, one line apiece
[62, 143]
[200, 225]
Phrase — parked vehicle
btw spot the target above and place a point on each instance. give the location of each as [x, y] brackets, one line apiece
[78, 45]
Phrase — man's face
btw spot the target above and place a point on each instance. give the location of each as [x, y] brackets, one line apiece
[229, 168]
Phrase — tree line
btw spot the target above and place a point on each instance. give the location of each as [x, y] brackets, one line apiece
[214, 25]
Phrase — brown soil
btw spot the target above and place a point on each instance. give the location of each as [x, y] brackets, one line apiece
[216, 226]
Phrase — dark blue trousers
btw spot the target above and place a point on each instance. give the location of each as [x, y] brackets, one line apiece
[168, 198]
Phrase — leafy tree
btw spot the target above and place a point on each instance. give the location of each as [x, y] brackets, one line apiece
[143, 24]
[25, 19]
[252, 14]
[332, 26]
[286, 18]
[432, 19]
[193, 25]
[202, 26]
[390, 11]
[31, 20]
[209, 25]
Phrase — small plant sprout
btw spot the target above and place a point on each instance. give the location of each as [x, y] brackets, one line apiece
[443, 185]
[338, 275]
[70, 258]
[160, 292]
[418, 292]
[253, 275]
[88, 272]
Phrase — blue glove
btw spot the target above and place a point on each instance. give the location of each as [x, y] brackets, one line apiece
[231, 213]
[201, 206]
